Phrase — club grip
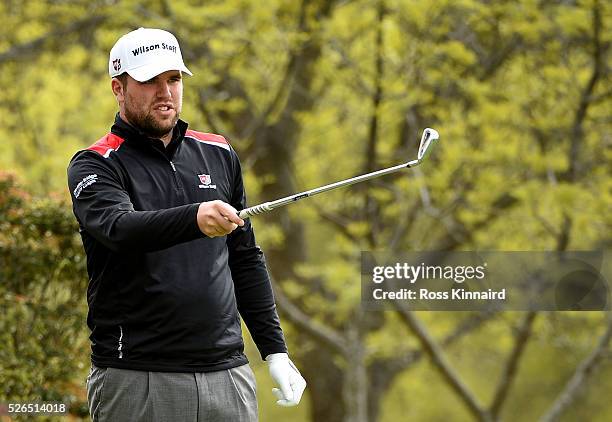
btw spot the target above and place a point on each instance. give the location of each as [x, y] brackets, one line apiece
[257, 209]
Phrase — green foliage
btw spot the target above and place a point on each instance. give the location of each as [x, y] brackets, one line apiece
[42, 299]
[520, 92]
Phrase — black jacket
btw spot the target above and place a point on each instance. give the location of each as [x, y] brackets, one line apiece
[162, 296]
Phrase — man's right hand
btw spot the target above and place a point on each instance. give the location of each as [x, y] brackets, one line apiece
[217, 218]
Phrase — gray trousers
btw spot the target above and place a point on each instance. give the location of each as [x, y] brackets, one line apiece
[124, 395]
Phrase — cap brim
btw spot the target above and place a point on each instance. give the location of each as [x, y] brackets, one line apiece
[151, 70]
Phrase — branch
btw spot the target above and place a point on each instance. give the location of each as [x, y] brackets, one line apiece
[586, 97]
[509, 373]
[372, 213]
[547, 226]
[601, 97]
[319, 332]
[468, 325]
[281, 95]
[22, 51]
[563, 238]
[403, 227]
[435, 354]
[408, 357]
[583, 372]
[210, 119]
[383, 371]
[498, 57]
[356, 83]
[371, 153]
[338, 222]
[465, 234]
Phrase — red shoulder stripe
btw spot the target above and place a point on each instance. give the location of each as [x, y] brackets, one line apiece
[210, 137]
[206, 137]
[106, 144]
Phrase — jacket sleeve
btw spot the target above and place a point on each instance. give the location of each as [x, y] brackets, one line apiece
[251, 279]
[103, 209]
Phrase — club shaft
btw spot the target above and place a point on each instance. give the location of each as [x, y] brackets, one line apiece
[269, 206]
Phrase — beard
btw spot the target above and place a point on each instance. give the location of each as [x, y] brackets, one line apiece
[148, 124]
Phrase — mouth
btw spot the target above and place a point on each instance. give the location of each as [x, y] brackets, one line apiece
[164, 109]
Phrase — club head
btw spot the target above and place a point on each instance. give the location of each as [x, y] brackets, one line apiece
[429, 137]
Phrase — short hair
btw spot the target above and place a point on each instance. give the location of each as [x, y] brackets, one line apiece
[123, 78]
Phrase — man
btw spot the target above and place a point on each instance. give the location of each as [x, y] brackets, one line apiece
[171, 265]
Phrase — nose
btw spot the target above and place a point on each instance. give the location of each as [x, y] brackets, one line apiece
[163, 89]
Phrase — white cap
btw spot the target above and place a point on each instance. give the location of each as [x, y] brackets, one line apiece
[145, 53]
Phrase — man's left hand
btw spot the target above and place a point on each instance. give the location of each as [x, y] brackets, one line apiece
[290, 382]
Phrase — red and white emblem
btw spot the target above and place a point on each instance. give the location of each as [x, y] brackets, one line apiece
[206, 182]
[204, 179]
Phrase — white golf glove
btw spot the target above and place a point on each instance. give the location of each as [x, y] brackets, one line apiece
[290, 382]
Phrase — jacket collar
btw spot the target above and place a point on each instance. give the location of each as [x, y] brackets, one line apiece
[134, 135]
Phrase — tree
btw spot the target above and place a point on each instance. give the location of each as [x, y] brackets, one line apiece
[315, 91]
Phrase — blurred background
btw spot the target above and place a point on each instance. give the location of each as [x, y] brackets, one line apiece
[309, 92]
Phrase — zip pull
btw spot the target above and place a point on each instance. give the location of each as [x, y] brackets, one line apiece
[120, 345]
[172, 165]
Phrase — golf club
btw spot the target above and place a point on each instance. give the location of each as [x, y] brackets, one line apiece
[427, 140]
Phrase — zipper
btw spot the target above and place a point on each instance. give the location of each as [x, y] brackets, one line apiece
[120, 345]
[177, 183]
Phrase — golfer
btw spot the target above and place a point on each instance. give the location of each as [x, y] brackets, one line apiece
[172, 268]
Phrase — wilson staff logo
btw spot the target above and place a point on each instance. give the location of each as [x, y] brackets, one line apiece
[205, 182]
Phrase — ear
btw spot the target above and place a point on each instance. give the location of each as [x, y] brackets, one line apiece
[118, 90]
